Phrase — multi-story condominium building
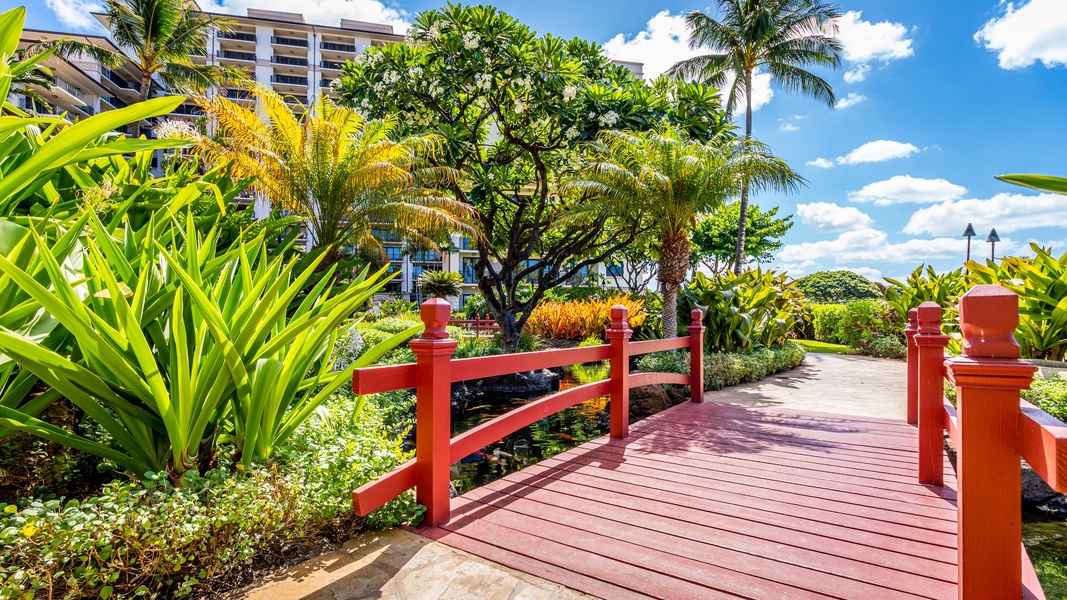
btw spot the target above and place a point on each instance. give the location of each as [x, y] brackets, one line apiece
[295, 58]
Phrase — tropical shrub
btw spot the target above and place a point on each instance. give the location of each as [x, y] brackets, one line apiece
[754, 309]
[1041, 283]
[924, 284]
[866, 320]
[1050, 395]
[440, 284]
[580, 319]
[887, 347]
[825, 321]
[398, 308]
[722, 369]
[837, 287]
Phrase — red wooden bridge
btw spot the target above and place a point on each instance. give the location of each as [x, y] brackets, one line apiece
[710, 500]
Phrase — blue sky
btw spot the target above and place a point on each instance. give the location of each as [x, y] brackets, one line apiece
[938, 98]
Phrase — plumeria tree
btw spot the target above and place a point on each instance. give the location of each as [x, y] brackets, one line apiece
[514, 108]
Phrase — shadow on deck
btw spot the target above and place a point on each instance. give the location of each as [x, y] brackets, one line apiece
[724, 501]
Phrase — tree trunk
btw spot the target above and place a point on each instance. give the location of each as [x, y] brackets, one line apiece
[673, 267]
[739, 254]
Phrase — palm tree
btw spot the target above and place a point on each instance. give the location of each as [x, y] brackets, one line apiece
[669, 180]
[781, 36]
[161, 36]
[345, 174]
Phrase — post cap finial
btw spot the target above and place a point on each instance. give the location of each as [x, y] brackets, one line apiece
[435, 314]
[988, 317]
[697, 316]
[928, 317]
[913, 321]
[620, 317]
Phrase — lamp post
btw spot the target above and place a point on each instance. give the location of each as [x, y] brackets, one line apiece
[969, 233]
[993, 239]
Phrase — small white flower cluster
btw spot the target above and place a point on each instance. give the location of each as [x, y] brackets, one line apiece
[608, 119]
[373, 59]
[484, 81]
[366, 104]
[390, 77]
[570, 93]
[434, 32]
[470, 40]
[524, 83]
[176, 129]
[436, 90]
[520, 107]
[572, 133]
[415, 72]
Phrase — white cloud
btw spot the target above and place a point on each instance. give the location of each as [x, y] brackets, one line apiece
[326, 12]
[75, 14]
[868, 272]
[870, 245]
[865, 42]
[877, 151]
[822, 163]
[665, 41]
[857, 73]
[902, 189]
[1033, 31]
[787, 126]
[827, 216]
[852, 99]
[1006, 212]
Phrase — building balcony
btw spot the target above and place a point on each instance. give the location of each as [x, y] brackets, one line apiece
[116, 79]
[230, 55]
[285, 41]
[332, 65]
[296, 99]
[289, 60]
[325, 83]
[238, 95]
[188, 109]
[289, 80]
[113, 102]
[236, 35]
[338, 47]
[70, 90]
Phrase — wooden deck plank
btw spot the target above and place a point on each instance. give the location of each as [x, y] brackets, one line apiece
[724, 501]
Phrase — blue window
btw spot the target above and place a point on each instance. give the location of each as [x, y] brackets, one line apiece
[468, 270]
[385, 235]
[614, 269]
[465, 243]
[394, 253]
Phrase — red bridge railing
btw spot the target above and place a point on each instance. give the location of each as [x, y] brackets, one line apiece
[991, 428]
[478, 325]
[434, 371]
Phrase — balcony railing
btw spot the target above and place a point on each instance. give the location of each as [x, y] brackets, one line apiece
[329, 64]
[115, 79]
[289, 80]
[113, 101]
[325, 83]
[337, 47]
[289, 60]
[235, 35]
[295, 99]
[284, 41]
[69, 88]
[249, 56]
[238, 95]
[187, 109]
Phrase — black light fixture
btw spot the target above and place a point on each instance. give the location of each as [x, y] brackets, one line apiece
[969, 233]
[993, 239]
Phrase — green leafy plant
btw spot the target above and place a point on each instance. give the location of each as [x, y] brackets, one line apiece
[837, 287]
[751, 310]
[440, 284]
[1044, 183]
[722, 369]
[924, 284]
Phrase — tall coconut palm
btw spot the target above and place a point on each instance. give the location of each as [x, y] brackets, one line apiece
[345, 174]
[781, 36]
[161, 36]
[669, 180]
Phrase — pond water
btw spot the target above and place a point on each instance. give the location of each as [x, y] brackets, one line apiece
[543, 439]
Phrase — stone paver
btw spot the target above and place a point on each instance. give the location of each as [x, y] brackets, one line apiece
[400, 565]
[832, 383]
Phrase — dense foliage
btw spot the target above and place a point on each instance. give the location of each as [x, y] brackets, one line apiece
[755, 309]
[512, 108]
[722, 369]
[581, 319]
[440, 284]
[870, 326]
[837, 287]
[715, 237]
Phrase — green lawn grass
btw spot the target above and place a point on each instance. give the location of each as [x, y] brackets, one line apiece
[824, 347]
[1047, 546]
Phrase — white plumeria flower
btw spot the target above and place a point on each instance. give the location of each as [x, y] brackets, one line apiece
[572, 133]
[470, 40]
[520, 107]
[569, 93]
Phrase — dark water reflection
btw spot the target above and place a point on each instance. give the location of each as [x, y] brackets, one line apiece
[543, 439]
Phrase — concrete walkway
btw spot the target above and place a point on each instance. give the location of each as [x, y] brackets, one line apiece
[833, 383]
[400, 565]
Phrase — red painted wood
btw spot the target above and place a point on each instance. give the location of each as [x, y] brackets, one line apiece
[640, 379]
[803, 568]
[478, 325]
[913, 367]
[374, 494]
[952, 424]
[1044, 445]
[375, 380]
[433, 411]
[931, 343]
[1031, 586]
[506, 424]
[988, 378]
[619, 337]
[464, 369]
[696, 356]
[649, 346]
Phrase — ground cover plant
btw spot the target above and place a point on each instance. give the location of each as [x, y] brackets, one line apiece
[742, 312]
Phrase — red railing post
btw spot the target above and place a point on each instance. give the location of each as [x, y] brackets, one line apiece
[930, 349]
[988, 378]
[619, 336]
[696, 356]
[433, 426]
[913, 367]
